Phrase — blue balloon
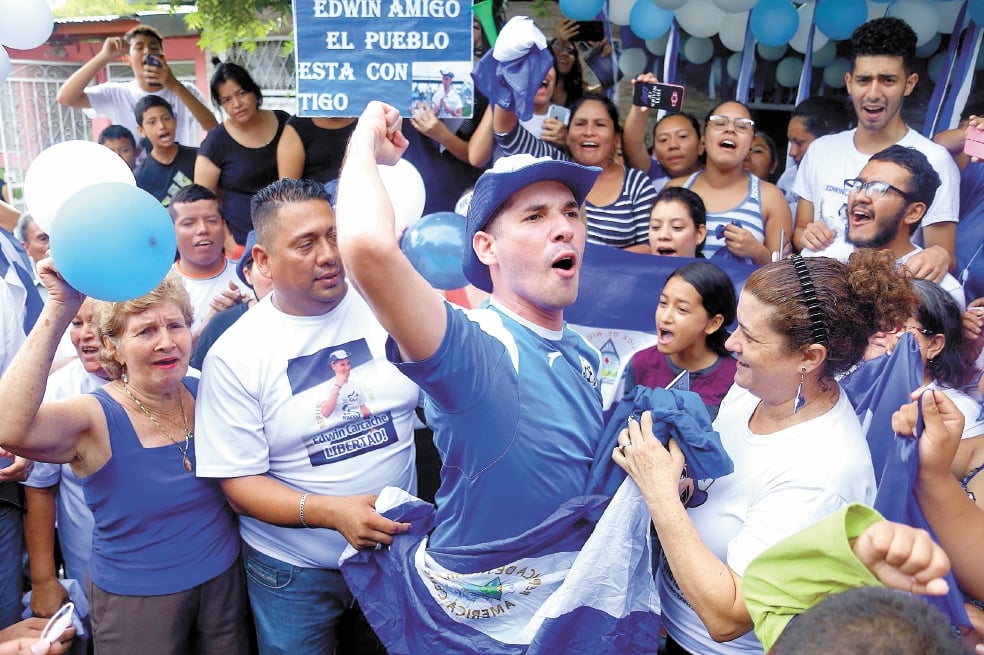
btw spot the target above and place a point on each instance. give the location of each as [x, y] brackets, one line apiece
[112, 241]
[434, 245]
[838, 20]
[649, 21]
[581, 9]
[774, 22]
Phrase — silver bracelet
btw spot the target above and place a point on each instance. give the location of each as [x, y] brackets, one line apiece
[301, 510]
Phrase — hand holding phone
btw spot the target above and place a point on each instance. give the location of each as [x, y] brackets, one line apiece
[668, 97]
[559, 112]
[152, 60]
[974, 142]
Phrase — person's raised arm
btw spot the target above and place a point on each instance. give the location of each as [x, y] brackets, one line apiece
[72, 92]
[51, 431]
[290, 154]
[957, 521]
[423, 118]
[482, 142]
[406, 305]
[47, 594]
[634, 131]
[202, 114]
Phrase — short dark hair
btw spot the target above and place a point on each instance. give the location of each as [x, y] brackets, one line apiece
[940, 314]
[143, 30]
[823, 115]
[923, 179]
[189, 194]
[887, 36]
[717, 296]
[146, 103]
[117, 132]
[267, 202]
[693, 202]
[226, 71]
[866, 620]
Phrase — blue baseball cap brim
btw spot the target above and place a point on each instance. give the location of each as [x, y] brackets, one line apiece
[511, 175]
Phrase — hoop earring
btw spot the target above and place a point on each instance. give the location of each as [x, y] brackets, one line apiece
[124, 379]
[799, 401]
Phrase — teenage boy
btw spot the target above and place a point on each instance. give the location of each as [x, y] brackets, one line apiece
[169, 166]
[881, 76]
[121, 141]
[142, 48]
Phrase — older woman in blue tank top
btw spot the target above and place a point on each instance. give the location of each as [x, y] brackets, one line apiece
[165, 575]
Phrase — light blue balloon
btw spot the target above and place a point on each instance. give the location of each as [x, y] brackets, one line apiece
[774, 22]
[434, 246]
[649, 21]
[838, 20]
[581, 9]
[112, 241]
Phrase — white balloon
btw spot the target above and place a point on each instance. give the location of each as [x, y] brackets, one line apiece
[788, 72]
[619, 10]
[4, 64]
[65, 168]
[734, 65]
[698, 50]
[700, 18]
[732, 32]
[735, 6]
[632, 62]
[798, 42]
[921, 15]
[833, 75]
[948, 15]
[825, 56]
[26, 24]
[672, 5]
[406, 190]
[658, 46]
[770, 53]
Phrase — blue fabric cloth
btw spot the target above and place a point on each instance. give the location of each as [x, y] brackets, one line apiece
[296, 609]
[33, 302]
[159, 529]
[512, 84]
[877, 388]
[677, 414]
[581, 582]
[516, 415]
[11, 557]
[970, 231]
[896, 501]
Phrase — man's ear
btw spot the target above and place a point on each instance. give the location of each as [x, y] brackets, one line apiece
[262, 260]
[484, 245]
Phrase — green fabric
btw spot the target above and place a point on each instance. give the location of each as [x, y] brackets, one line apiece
[793, 575]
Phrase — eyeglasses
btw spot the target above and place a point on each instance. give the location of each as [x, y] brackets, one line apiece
[562, 49]
[874, 188]
[917, 330]
[722, 122]
[237, 94]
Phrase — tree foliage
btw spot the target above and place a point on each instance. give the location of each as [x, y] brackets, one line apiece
[223, 23]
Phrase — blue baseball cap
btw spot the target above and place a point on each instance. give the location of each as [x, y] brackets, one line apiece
[247, 258]
[508, 176]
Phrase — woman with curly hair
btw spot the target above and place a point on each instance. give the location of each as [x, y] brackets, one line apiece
[798, 450]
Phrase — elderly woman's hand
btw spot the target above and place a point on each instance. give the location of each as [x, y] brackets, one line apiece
[60, 292]
[655, 470]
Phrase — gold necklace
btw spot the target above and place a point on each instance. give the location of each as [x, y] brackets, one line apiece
[153, 419]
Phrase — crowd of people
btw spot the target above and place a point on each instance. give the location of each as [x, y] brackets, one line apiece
[201, 459]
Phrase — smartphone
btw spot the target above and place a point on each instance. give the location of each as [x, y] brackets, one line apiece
[668, 97]
[590, 31]
[974, 143]
[560, 112]
[151, 60]
[58, 623]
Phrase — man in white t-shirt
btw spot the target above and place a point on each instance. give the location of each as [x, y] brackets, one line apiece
[886, 202]
[304, 483]
[881, 76]
[446, 101]
[209, 278]
[142, 48]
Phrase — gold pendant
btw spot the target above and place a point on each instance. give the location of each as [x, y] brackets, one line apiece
[187, 463]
